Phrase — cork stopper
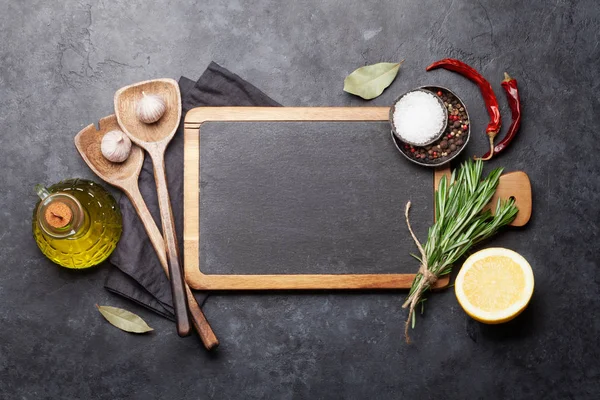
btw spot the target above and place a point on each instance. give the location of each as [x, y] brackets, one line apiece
[58, 214]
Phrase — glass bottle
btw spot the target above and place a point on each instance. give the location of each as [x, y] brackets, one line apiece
[77, 223]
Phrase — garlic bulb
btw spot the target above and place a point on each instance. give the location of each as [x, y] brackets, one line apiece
[150, 108]
[115, 146]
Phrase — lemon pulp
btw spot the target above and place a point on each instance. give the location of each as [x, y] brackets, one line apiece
[494, 285]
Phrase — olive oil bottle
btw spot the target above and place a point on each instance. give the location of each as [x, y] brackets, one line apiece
[77, 223]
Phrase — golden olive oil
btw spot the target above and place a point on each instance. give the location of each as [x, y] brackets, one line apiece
[77, 223]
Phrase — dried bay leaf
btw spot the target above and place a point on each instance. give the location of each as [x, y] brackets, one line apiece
[370, 81]
[123, 319]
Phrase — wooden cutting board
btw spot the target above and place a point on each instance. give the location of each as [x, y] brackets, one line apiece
[513, 184]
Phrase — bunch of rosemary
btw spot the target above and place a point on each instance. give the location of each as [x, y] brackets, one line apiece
[461, 222]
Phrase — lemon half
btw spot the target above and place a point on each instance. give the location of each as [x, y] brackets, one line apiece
[494, 285]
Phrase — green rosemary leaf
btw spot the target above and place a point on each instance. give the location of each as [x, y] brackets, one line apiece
[458, 244]
[416, 257]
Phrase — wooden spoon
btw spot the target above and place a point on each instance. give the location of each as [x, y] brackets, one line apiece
[125, 176]
[154, 138]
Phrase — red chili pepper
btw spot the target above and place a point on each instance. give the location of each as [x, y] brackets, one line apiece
[514, 101]
[487, 92]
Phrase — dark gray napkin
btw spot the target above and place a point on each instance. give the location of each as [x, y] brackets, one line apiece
[138, 274]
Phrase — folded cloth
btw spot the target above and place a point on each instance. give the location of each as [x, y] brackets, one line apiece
[138, 274]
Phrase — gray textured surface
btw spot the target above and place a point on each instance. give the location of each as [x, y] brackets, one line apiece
[60, 65]
[308, 198]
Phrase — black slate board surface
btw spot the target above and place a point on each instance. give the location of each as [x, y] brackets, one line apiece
[308, 198]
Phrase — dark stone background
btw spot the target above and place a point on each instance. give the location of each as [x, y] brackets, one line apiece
[60, 64]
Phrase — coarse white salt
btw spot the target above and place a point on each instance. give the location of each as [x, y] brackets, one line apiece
[419, 117]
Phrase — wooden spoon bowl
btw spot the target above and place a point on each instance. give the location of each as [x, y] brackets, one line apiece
[118, 174]
[126, 100]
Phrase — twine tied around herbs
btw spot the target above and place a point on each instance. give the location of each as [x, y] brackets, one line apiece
[427, 278]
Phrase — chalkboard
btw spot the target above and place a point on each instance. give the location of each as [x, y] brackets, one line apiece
[308, 198]
[300, 198]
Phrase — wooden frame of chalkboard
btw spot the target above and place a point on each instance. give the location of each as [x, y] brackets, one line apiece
[514, 184]
[193, 273]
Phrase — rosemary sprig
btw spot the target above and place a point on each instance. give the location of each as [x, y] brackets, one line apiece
[461, 223]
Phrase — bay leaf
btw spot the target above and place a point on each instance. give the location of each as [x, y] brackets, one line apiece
[370, 81]
[123, 319]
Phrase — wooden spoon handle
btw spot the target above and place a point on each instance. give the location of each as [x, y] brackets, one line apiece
[156, 238]
[180, 304]
[202, 326]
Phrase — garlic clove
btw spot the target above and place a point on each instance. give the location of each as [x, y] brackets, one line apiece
[115, 146]
[150, 108]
